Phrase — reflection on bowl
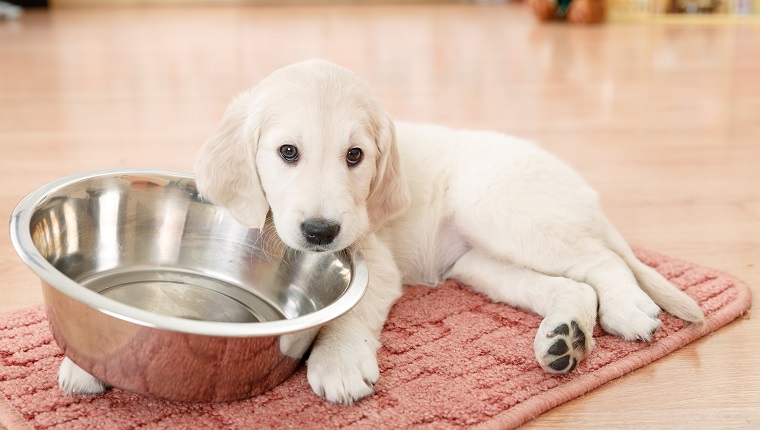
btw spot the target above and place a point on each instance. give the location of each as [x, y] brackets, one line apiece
[154, 290]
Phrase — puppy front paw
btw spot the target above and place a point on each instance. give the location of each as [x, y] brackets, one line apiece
[343, 373]
[73, 380]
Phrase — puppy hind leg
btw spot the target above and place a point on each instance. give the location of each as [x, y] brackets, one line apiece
[662, 291]
[561, 234]
[625, 309]
[564, 337]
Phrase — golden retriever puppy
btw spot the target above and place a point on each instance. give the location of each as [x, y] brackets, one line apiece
[312, 146]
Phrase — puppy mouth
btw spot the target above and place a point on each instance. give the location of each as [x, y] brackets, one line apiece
[303, 245]
[321, 248]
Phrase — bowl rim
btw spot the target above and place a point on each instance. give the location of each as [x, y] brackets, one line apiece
[21, 238]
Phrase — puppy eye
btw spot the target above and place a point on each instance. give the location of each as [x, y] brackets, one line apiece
[354, 156]
[289, 153]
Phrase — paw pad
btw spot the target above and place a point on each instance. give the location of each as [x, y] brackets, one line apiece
[567, 349]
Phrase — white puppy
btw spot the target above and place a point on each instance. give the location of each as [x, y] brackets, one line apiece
[423, 203]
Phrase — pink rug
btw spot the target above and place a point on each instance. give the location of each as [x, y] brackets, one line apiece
[451, 359]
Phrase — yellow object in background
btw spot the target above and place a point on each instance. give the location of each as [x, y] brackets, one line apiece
[691, 11]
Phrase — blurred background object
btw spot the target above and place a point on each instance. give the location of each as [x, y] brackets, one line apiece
[574, 11]
[10, 11]
[577, 11]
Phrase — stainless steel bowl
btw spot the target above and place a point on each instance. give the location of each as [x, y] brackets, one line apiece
[154, 290]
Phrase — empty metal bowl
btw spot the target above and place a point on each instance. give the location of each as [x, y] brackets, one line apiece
[154, 290]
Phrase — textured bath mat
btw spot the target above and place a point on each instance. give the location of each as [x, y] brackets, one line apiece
[451, 358]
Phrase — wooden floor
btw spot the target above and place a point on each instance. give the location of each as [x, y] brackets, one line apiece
[663, 120]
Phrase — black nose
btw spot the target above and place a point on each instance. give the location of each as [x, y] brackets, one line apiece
[319, 231]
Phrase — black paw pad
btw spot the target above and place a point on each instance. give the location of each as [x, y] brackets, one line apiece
[559, 347]
[572, 366]
[566, 352]
[562, 330]
[579, 337]
[561, 363]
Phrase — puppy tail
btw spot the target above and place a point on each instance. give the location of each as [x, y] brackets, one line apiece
[665, 294]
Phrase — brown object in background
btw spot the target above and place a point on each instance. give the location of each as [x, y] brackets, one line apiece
[574, 11]
[545, 10]
[585, 11]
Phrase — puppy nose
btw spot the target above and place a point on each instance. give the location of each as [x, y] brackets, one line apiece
[319, 231]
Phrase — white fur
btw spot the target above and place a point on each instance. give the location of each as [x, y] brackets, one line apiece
[427, 203]
[73, 380]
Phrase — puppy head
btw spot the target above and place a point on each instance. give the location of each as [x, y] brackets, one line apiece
[311, 143]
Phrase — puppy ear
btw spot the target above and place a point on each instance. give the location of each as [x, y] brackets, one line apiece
[225, 167]
[389, 192]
